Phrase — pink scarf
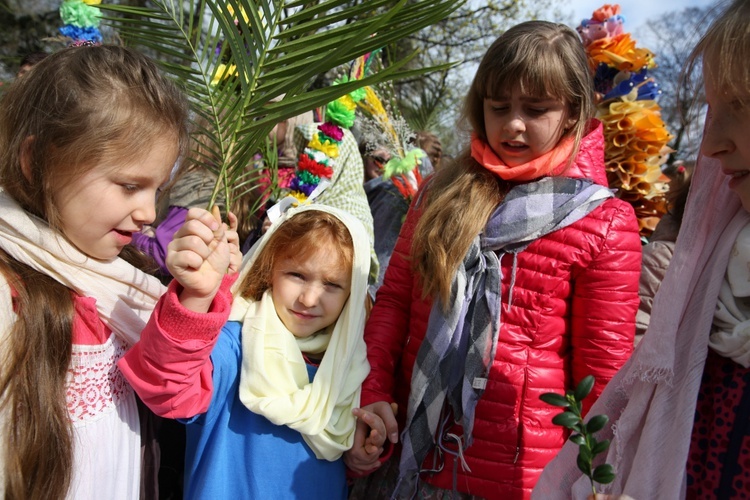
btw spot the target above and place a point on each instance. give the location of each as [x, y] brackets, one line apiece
[651, 400]
[550, 163]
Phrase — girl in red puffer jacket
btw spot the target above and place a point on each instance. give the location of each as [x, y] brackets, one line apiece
[515, 274]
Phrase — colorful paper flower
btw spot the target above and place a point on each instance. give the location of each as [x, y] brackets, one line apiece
[310, 165]
[331, 130]
[340, 114]
[77, 13]
[81, 34]
[401, 166]
[330, 149]
[635, 134]
[222, 72]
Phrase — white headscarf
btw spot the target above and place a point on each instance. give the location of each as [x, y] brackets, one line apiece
[651, 400]
[125, 296]
[274, 380]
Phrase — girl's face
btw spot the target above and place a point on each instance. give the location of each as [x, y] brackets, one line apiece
[100, 211]
[521, 128]
[725, 138]
[309, 293]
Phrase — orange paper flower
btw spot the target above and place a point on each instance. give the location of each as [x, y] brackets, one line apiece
[605, 12]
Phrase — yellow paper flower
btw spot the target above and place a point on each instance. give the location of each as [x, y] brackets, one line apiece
[300, 196]
[222, 72]
[242, 11]
[348, 102]
[328, 148]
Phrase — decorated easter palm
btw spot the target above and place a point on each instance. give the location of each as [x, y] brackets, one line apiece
[236, 58]
[635, 134]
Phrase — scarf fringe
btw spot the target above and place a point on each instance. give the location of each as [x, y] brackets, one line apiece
[650, 375]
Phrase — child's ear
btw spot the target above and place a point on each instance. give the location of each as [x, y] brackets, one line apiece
[25, 158]
[570, 123]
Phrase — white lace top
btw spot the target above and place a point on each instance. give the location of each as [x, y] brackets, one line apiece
[102, 407]
[107, 445]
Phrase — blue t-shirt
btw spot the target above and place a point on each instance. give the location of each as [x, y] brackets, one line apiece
[234, 453]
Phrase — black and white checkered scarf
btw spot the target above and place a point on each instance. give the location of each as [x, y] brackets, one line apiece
[456, 354]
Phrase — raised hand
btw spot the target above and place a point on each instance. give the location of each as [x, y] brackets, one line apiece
[199, 256]
[235, 253]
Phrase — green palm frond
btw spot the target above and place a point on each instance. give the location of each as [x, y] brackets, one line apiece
[235, 59]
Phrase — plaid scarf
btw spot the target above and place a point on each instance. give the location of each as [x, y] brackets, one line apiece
[460, 343]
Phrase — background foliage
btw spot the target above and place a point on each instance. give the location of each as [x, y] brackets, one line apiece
[430, 101]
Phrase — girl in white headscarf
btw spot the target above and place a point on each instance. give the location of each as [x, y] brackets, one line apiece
[267, 400]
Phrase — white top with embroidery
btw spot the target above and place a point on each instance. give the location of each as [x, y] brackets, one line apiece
[103, 409]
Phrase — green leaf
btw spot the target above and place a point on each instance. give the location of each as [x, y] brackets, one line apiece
[596, 423]
[600, 447]
[583, 465]
[566, 419]
[278, 47]
[578, 439]
[555, 399]
[584, 387]
[604, 474]
[585, 453]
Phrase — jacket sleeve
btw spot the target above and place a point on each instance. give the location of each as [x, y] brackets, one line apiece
[169, 367]
[605, 301]
[656, 258]
[387, 328]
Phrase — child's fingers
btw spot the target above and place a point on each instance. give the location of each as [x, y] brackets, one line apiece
[204, 216]
[387, 412]
[375, 423]
[194, 235]
[357, 458]
[373, 451]
[360, 434]
[233, 221]
[184, 258]
[233, 239]
[374, 443]
[200, 244]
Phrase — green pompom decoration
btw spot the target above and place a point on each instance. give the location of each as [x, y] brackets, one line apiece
[77, 13]
[308, 178]
[339, 114]
[358, 95]
[400, 166]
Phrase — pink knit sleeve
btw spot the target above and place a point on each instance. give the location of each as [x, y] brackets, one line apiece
[170, 367]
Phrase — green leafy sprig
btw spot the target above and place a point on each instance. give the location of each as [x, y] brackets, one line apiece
[583, 432]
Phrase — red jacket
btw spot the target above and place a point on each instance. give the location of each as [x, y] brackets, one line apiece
[573, 314]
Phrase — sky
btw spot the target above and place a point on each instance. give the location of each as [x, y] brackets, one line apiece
[636, 12]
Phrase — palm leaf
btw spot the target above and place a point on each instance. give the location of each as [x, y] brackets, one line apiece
[269, 48]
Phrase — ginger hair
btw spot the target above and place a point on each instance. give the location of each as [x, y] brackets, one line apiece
[297, 237]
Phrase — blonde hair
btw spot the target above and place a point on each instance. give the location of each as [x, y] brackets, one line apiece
[545, 59]
[724, 51]
[298, 237]
[80, 107]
